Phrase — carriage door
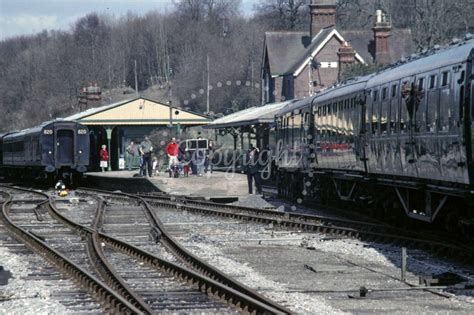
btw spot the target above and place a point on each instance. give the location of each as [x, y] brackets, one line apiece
[65, 147]
[470, 69]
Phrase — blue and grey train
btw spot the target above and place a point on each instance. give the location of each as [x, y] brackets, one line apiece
[400, 142]
[56, 149]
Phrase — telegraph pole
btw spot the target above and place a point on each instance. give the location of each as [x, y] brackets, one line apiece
[136, 78]
[207, 93]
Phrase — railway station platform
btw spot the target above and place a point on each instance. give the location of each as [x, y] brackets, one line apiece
[225, 187]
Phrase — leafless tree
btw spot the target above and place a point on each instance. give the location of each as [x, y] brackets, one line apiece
[284, 14]
[437, 21]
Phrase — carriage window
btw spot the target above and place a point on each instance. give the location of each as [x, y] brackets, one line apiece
[421, 82]
[432, 81]
[384, 93]
[374, 119]
[445, 78]
[384, 117]
[393, 117]
[404, 113]
[394, 90]
[420, 113]
[375, 95]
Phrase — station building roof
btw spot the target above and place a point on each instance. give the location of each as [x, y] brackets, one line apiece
[250, 116]
[138, 111]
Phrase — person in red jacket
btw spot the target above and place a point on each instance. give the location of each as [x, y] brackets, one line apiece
[104, 157]
[172, 150]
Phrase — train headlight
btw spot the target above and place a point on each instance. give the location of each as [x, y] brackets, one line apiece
[50, 152]
[80, 151]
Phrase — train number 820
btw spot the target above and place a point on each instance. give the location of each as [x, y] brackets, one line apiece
[48, 131]
[81, 131]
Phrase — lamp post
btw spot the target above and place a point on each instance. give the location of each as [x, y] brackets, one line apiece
[171, 114]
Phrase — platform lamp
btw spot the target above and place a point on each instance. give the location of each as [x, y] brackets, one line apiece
[178, 126]
[171, 114]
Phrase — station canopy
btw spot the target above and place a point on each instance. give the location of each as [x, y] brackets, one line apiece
[138, 111]
[250, 116]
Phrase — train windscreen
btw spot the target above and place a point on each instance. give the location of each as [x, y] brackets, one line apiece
[65, 147]
[202, 144]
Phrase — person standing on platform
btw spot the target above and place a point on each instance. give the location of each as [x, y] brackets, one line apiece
[104, 157]
[132, 152]
[200, 161]
[172, 149]
[209, 157]
[253, 169]
[146, 148]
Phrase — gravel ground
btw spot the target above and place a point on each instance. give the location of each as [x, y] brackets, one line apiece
[306, 272]
[27, 296]
[286, 265]
[36, 286]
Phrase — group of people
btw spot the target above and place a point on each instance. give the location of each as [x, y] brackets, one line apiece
[144, 151]
[196, 161]
[199, 161]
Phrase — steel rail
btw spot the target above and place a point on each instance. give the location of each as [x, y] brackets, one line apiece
[193, 261]
[283, 215]
[104, 268]
[106, 296]
[373, 232]
[205, 284]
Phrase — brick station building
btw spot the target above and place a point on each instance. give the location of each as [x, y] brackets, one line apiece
[297, 64]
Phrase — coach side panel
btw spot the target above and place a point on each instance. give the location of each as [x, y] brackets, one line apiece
[470, 115]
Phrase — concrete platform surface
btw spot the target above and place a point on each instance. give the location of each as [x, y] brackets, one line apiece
[208, 186]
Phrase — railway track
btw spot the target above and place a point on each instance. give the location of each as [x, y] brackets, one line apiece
[135, 281]
[184, 256]
[104, 295]
[367, 231]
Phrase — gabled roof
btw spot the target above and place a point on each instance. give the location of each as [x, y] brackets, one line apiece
[138, 111]
[400, 43]
[288, 52]
[250, 116]
[318, 43]
[284, 48]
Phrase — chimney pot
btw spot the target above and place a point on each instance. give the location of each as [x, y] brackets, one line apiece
[323, 14]
[382, 31]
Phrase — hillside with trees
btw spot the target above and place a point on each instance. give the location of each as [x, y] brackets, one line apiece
[42, 74]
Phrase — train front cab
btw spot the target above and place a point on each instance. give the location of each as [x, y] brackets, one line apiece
[64, 147]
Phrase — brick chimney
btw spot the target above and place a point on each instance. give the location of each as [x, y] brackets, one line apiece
[323, 14]
[346, 56]
[382, 30]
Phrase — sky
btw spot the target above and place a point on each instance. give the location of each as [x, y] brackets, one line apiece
[24, 17]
